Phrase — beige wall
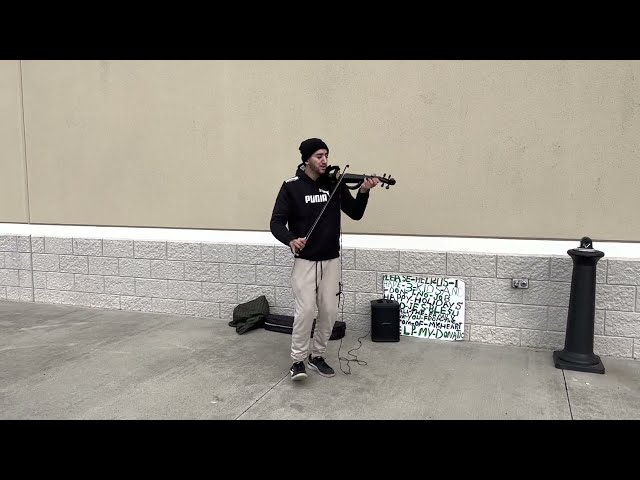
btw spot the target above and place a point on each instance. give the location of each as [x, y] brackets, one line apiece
[13, 206]
[481, 148]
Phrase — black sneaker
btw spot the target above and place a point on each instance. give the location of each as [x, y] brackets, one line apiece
[298, 371]
[319, 365]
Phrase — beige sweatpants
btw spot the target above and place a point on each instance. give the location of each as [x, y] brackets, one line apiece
[305, 277]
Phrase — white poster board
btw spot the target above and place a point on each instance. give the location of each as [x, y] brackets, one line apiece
[430, 307]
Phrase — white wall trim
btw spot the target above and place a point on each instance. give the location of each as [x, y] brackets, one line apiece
[14, 229]
[386, 242]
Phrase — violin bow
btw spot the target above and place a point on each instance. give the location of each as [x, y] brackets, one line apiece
[324, 208]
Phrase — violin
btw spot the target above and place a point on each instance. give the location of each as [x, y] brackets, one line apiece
[331, 175]
[355, 179]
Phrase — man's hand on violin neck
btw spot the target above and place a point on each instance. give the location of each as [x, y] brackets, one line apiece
[368, 184]
[297, 244]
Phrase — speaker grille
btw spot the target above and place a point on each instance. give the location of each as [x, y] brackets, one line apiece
[385, 320]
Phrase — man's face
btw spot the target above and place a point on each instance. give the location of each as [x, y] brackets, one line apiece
[318, 161]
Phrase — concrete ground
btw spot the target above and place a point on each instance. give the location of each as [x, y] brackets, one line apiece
[61, 362]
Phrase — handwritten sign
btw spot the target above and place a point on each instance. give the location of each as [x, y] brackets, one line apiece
[430, 307]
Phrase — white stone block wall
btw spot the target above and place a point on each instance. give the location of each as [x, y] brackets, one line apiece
[210, 279]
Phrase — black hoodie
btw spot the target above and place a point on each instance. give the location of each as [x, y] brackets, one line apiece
[300, 201]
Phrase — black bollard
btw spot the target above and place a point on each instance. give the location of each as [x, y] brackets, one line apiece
[578, 343]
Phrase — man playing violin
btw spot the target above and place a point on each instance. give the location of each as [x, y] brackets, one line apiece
[315, 277]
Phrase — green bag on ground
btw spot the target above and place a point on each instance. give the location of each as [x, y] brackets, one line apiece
[250, 315]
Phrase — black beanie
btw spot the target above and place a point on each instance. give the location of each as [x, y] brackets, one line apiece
[309, 146]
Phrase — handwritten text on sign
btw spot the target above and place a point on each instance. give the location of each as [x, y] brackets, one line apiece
[429, 307]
